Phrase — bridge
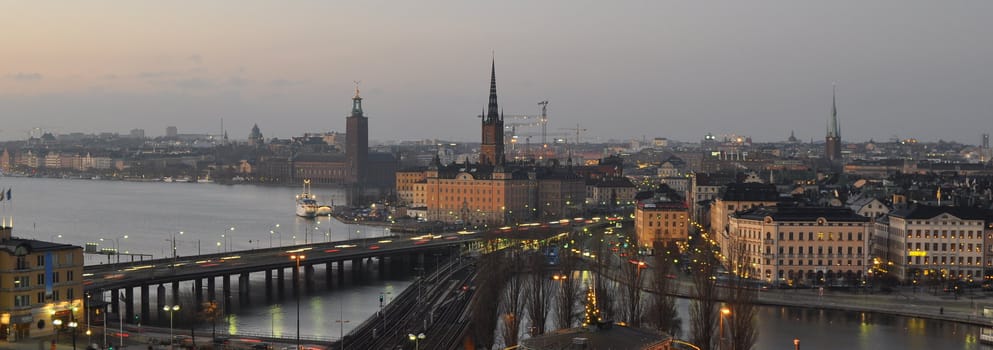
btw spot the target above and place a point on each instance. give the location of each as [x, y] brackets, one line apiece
[203, 271]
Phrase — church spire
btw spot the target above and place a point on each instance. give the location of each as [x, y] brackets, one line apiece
[833, 130]
[492, 112]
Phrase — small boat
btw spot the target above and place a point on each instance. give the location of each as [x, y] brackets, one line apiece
[205, 179]
[167, 179]
[306, 202]
[323, 210]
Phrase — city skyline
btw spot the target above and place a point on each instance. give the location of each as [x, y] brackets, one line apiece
[680, 71]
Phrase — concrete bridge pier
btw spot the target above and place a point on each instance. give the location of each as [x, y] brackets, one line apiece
[280, 276]
[129, 303]
[175, 293]
[243, 295]
[341, 272]
[198, 291]
[160, 301]
[115, 301]
[356, 269]
[226, 291]
[308, 273]
[145, 296]
[268, 284]
[211, 287]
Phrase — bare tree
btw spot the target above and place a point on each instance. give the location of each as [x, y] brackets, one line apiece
[661, 313]
[539, 293]
[703, 309]
[568, 295]
[742, 327]
[210, 311]
[513, 296]
[632, 284]
[485, 309]
[604, 284]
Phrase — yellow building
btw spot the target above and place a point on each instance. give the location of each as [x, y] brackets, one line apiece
[661, 223]
[40, 282]
[736, 197]
[798, 245]
[946, 242]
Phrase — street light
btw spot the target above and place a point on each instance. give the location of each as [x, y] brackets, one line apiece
[341, 324]
[171, 309]
[57, 323]
[720, 329]
[174, 254]
[296, 289]
[796, 343]
[72, 328]
[275, 231]
[416, 339]
[117, 247]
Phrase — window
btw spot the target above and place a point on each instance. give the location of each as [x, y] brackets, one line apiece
[22, 282]
[39, 279]
[41, 261]
[22, 300]
[55, 295]
[55, 277]
[69, 294]
[69, 274]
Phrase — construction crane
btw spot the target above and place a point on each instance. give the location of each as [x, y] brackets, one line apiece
[577, 130]
[544, 122]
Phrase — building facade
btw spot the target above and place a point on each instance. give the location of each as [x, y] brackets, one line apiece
[944, 243]
[788, 245]
[661, 222]
[39, 283]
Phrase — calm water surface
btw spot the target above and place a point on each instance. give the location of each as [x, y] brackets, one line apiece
[151, 213]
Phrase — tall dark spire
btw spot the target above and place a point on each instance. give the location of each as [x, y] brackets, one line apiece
[833, 129]
[492, 112]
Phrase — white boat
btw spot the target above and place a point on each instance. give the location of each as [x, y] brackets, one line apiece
[324, 210]
[306, 202]
[205, 179]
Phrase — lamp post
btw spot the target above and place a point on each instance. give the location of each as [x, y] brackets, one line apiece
[72, 328]
[174, 253]
[275, 231]
[341, 321]
[416, 339]
[57, 323]
[117, 247]
[796, 343]
[296, 290]
[171, 309]
[720, 329]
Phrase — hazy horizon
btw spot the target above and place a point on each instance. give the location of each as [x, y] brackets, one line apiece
[679, 70]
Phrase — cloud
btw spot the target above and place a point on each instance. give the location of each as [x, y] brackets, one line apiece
[195, 58]
[193, 83]
[21, 76]
[286, 82]
[157, 74]
[238, 81]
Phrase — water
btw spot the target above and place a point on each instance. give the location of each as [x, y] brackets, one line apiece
[150, 213]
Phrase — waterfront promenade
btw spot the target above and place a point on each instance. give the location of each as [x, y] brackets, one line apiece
[903, 301]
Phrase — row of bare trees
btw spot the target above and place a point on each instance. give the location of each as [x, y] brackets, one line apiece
[514, 283]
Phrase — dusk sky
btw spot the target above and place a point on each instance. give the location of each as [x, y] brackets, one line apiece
[622, 70]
